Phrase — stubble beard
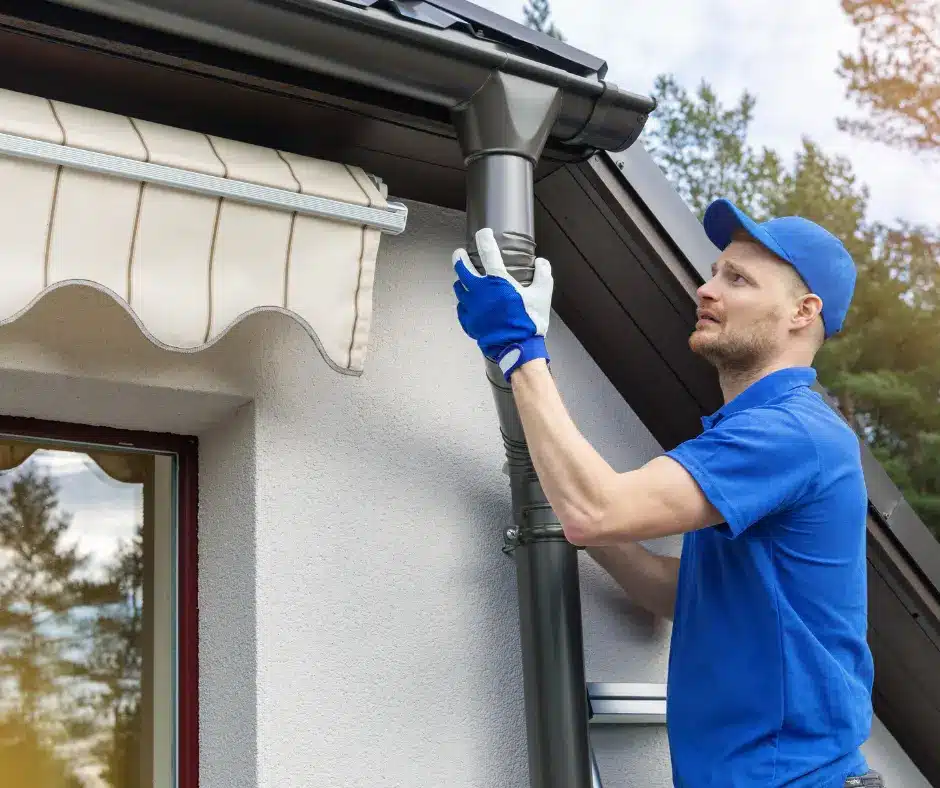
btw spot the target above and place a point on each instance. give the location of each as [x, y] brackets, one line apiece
[733, 353]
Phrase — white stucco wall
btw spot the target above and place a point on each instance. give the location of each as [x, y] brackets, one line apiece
[358, 618]
[382, 589]
[885, 756]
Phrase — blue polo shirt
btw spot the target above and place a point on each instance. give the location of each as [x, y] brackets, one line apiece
[770, 675]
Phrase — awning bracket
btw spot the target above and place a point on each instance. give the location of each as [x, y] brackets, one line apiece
[391, 220]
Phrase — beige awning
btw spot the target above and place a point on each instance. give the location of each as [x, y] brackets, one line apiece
[189, 231]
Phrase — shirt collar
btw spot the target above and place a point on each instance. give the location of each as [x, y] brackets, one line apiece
[762, 391]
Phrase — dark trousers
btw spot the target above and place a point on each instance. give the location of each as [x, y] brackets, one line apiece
[869, 780]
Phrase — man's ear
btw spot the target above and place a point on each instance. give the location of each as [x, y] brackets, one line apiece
[808, 308]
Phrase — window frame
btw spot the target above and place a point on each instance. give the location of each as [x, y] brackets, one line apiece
[186, 450]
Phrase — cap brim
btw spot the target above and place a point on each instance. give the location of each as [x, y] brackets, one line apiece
[722, 218]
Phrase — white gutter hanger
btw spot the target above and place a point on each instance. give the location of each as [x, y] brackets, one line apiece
[189, 232]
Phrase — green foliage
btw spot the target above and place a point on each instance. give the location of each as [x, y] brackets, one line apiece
[884, 367]
[537, 15]
[702, 147]
[895, 73]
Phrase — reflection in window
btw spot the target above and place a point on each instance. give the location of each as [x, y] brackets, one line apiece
[85, 618]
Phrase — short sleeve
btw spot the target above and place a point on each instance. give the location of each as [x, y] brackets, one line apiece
[751, 465]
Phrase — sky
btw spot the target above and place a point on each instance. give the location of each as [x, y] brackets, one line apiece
[785, 54]
[104, 512]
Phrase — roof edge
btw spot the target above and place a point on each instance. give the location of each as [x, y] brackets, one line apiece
[443, 67]
[483, 19]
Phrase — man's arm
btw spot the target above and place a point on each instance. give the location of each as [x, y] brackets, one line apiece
[595, 504]
[649, 580]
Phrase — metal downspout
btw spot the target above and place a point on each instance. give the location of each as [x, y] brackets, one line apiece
[502, 131]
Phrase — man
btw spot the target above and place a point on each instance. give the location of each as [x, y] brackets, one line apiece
[770, 675]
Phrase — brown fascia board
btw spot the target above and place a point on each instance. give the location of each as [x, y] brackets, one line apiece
[905, 641]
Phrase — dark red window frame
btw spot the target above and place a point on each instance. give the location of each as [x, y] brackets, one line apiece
[186, 449]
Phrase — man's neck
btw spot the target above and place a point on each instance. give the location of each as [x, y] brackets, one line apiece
[734, 381]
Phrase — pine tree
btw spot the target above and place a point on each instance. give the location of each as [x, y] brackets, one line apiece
[702, 147]
[70, 658]
[536, 14]
[891, 375]
[895, 74]
[40, 589]
[116, 663]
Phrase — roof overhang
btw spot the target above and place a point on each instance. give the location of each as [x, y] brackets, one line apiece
[429, 63]
[627, 254]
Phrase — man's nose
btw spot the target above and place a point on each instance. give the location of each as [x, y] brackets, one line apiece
[708, 291]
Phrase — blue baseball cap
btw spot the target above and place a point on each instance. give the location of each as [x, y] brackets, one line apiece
[818, 256]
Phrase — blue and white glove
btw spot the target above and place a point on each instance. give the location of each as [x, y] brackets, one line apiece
[507, 320]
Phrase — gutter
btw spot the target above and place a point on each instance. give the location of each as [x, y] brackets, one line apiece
[374, 48]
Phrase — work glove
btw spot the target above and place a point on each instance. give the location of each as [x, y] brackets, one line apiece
[507, 320]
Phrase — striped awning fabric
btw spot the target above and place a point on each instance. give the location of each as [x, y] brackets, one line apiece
[190, 232]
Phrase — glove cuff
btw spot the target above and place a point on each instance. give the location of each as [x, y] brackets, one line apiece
[517, 354]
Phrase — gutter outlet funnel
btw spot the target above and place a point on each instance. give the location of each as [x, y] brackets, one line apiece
[502, 131]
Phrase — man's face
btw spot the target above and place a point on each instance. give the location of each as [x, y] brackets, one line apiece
[743, 309]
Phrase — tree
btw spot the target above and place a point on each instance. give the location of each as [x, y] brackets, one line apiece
[884, 367]
[702, 147]
[70, 647]
[536, 14]
[40, 589]
[116, 663]
[895, 74]
[895, 77]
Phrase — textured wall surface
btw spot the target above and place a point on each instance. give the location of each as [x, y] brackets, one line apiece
[358, 619]
[885, 755]
[387, 622]
[228, 619]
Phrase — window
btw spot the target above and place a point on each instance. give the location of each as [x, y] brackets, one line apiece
[98, 633]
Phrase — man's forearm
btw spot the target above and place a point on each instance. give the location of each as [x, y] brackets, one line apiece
[649, 580]
[572, 473]
[595, 504]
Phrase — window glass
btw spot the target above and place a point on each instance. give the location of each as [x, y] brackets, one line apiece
[87, 598]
